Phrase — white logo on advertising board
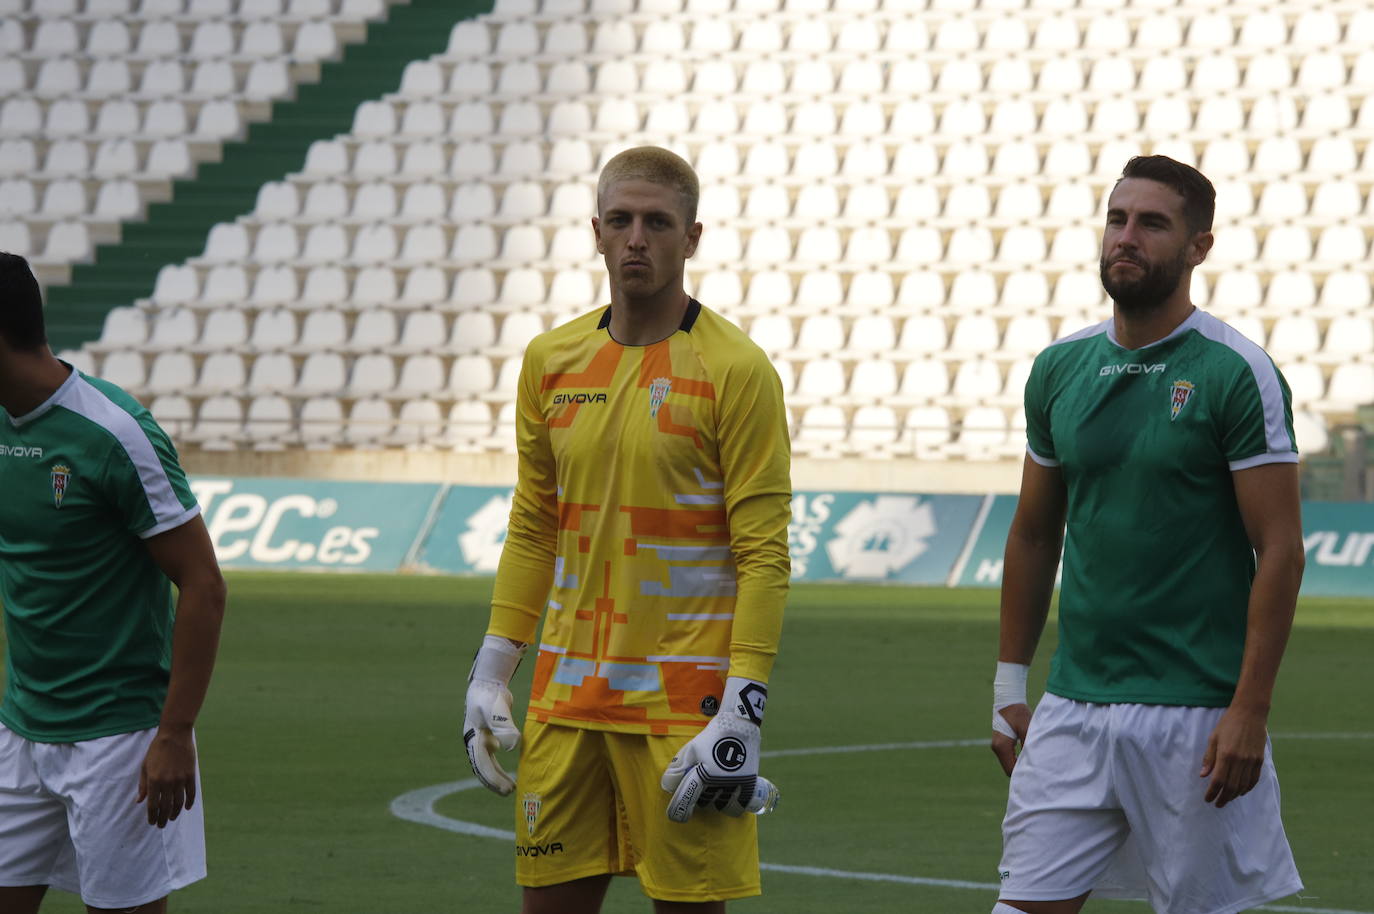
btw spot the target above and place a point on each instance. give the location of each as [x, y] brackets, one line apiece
[486, 533]
[1340, 549]
[881, 535]
[245, 525]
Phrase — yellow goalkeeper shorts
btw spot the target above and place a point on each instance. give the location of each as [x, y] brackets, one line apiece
[588, 802]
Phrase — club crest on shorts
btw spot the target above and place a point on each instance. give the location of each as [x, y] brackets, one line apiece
[61, 475]
[531, 804]
[1179, 395]
[658, 392]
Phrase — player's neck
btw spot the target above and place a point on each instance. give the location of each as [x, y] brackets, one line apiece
[29, 379]
[1135, 329]
[645, 321]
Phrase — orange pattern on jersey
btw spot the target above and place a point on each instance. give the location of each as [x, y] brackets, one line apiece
[565, 418]
[658, 363]
[671, 523]
[570, 514]
[606, 704]
[686, 686]
[667, 426]
[599, 373]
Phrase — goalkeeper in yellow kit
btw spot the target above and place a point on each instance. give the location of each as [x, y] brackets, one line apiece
[649, 530]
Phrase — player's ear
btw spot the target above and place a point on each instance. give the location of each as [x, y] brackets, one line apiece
[693, 239]
[1199, 247]
[596, 230]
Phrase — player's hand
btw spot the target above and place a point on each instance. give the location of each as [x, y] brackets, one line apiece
[1010, 712]
[719, 767]
[1009, 727]
[488, 724]
[1235, 755]
[167, 777]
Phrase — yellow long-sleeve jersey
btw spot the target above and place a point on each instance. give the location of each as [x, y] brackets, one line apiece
[649, 520]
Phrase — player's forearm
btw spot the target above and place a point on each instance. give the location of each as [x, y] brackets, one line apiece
[525, 572]
[195, 644]
[1028, 570]
[1273, 599]
[763, 573]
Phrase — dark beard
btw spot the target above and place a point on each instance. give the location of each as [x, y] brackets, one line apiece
[1140, 296]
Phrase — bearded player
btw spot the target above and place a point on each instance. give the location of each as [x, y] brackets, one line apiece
[649, 531]
[1165, 439]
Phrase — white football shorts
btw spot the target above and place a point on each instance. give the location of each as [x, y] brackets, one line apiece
[68, 820]
[1107, 798]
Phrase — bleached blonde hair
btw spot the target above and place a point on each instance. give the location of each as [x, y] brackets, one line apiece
[657, 166]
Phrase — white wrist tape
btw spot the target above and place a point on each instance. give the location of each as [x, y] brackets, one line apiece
[1008, 688]
[1009, 685]
[496, 660]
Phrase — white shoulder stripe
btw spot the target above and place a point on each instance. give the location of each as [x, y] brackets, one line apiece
[85, 400]
[1091, 330]
[1276, 437]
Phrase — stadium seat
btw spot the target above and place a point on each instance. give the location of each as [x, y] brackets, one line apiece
[321, 423]
[1293, 336]
[873, 379]
[323, 329]
[475, 159]
[272, 373]
[268, 424]
[1341, 243]
[1351, 385]
[123, 328]
[471, 375]
[821, 430]
[173, 412]
[370, 423]
[926, 432]
[218, 424]
[873, 431]
[769, 290]
[820, 379]
[871, 291]
[374, 201]
[322, 373]
[222, 373]
[468, 427]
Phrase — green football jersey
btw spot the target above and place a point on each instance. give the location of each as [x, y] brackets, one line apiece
[88, 614]
[1157, 564]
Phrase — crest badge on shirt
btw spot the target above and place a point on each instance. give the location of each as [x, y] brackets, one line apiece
[1179, 395]
[531, 803]
[658, 392]
[61, 475]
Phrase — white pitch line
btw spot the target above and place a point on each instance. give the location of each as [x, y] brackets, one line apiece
[960, 743]
[418, 806]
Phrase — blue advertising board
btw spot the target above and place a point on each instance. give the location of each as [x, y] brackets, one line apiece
[906, 538]
[302, 523]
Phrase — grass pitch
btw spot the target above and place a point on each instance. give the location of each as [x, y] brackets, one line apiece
[335, 694]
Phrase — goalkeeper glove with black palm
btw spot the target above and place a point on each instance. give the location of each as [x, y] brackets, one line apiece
[719, 767]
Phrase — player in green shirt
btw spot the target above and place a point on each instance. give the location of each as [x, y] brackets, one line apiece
[1161, 459]
[104, 678]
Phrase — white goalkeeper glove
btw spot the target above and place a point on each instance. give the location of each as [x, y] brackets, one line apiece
[1008, 688]
[719, 767]
[487, 723]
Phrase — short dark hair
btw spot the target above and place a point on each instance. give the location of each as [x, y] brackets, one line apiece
[1199, 196]
[21, 304]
